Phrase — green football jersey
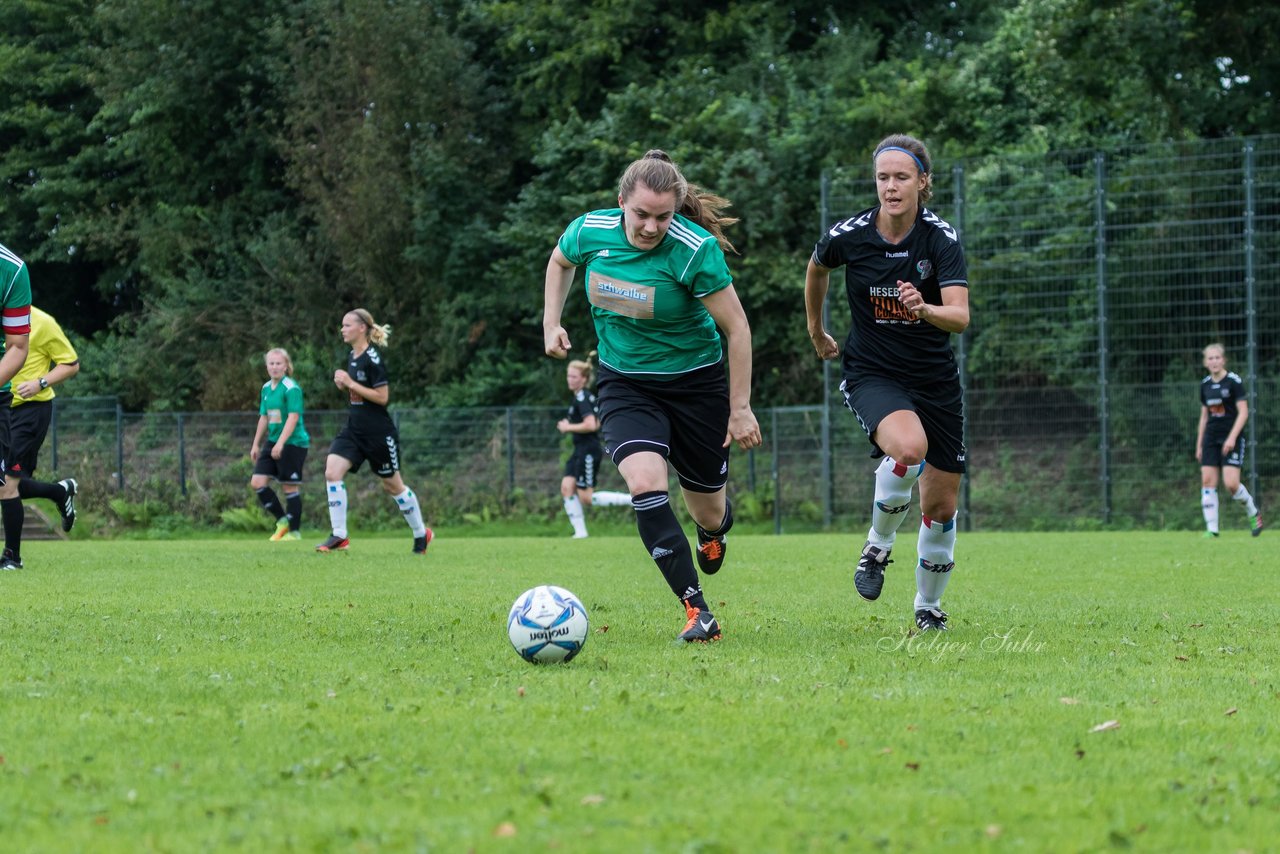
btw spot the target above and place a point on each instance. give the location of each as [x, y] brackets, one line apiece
[277, 405]
[649, 318]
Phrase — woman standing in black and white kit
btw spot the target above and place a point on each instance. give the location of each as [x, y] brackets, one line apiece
[907, 286]
[370, 433]
[582, 422]
[1224, 410]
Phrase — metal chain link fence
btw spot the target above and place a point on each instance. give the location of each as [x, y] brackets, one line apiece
[1096, 280]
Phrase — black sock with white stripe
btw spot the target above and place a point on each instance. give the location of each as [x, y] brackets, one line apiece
[270, 502]
[293, 501]
[666, 543]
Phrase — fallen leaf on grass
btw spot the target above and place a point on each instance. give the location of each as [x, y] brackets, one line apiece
[1231, 711]
[1079, 753]
[994, 830]
[592, 800]
[914, 766]
[603, 629]
[1068, 701]
[1181, 658]
[1106, 725]
[1197, 625]
[504, 830]
[520, 691]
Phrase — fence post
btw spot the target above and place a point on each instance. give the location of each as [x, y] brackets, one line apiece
[966, 522]
[1100, 258]
[120, 446]
[828, 488]
[53, 429]
[182, 456]
[1251, 316]
[511, 450]
[777, 479]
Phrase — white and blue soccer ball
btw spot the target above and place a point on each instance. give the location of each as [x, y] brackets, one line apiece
[547, 624]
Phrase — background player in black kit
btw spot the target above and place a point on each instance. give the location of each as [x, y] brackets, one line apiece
[1219, 446]
[370, 433]
[582, 422]
[907, 286]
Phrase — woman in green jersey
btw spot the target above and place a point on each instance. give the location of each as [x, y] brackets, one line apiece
[659, 287]
[285, 451]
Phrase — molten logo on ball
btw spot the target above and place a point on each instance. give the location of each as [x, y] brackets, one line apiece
[547, 624]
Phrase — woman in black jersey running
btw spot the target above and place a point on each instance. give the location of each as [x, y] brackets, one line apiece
[370, 433]
[907, 286]
[582, 422]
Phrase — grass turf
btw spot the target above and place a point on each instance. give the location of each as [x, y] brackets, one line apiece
[1097, 690]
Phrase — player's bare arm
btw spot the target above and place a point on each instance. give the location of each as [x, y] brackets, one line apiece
[817, 280]
[951, 316]
[559, 278]
[725, 308]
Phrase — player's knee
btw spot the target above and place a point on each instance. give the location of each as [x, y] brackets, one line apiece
[911, 454]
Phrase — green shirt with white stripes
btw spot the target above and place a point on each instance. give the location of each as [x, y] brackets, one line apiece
[646, 304]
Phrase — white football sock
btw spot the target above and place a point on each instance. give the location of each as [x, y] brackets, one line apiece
[573, 509]
[337, 507]
[412, 512]
[1242, 495]
[937, 548]
[611, 499]
[1209, 504]
[892, 499]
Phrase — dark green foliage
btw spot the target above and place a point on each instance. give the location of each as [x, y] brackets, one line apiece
[193, 182]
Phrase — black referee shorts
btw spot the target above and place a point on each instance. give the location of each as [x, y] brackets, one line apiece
[938, 405]
[684, 419]
[28, 427]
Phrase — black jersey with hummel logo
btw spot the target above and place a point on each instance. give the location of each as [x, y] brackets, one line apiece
[885, 338]
[584, 404]
[369, 370]
[1221, 398]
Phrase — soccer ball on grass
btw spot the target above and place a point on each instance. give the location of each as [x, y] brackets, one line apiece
[547, 624]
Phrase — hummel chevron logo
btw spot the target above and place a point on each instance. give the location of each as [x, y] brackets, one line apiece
[706, 625]
[660, 552]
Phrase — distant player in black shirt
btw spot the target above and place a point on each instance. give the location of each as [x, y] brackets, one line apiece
[907, 286]
[370, 433]
[582, 422]
[1219, 446]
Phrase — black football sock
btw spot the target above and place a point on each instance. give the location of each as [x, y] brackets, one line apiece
[270, 502]
[666, 543]
[12, 516]
[725, 524]
[28, 488]
[294, 503]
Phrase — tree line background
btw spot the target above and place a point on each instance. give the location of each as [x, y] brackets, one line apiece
[195, 181]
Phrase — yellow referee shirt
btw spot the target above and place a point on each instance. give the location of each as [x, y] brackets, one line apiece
[47, 346]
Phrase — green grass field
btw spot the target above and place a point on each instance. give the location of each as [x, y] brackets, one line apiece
[237, 694]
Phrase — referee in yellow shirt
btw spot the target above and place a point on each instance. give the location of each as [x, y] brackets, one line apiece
[50, 360]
